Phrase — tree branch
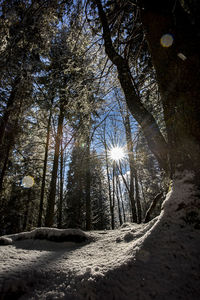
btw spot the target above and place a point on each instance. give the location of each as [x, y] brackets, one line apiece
[155, 139]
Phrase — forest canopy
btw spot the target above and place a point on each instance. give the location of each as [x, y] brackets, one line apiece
[99, 112]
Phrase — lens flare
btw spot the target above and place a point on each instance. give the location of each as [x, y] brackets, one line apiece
[167, 40]
[117, 153]
[28, 181]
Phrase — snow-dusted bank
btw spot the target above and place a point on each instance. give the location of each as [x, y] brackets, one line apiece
[158, 260]
[49, 234]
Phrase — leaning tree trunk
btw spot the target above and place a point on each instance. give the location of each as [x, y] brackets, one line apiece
[148, 124]
[52, 194]
[152, 207]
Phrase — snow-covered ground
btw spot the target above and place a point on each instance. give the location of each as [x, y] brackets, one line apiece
[123, 264]
[159, 260]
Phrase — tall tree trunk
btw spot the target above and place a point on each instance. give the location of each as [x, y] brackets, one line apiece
[3, 171]
[108, 178]
[88, 185]
[52, 194]
[44, 171]
[11, 137]
[178, 75]
[100, 203]
[60, 203]
[113, 196]
[9, 108]
[118, 200]
[27, 209]
[122, 201]
[137, 198]
[178, 80]
[129, 142]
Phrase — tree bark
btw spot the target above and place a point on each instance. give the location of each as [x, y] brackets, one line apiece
[118, 200]
[88, 185]
[109, 187]
[9, 107]
[113, 195]
[49, 220]
[129, 143]
[44, 171]
[123, 210]
[137, 199]
[3, 171]
[60, 203]
[178, 79]
[152, 207]
[27, 209]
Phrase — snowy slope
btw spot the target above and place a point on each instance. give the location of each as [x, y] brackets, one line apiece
[127, 263]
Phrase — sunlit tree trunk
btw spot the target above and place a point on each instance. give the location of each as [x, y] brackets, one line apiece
[137, 199]
[122, 201]
[118, 199]
[113, 195]
[129, 142]
[109, 180]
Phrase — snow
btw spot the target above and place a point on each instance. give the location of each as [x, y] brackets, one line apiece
[158, 260]
[51, 234]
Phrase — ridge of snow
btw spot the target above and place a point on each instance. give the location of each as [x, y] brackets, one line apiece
[52, 234]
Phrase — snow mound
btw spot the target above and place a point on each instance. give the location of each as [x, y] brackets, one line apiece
[50, 234]
[126, 224]
[128, 237]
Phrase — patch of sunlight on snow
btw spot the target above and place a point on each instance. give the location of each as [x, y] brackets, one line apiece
[167, 40]
[28, 181]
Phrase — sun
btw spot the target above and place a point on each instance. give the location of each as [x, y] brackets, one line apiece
[116, 153]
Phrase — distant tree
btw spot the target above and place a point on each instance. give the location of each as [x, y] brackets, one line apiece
[77, 189]
[99, 194]
[75, 194]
